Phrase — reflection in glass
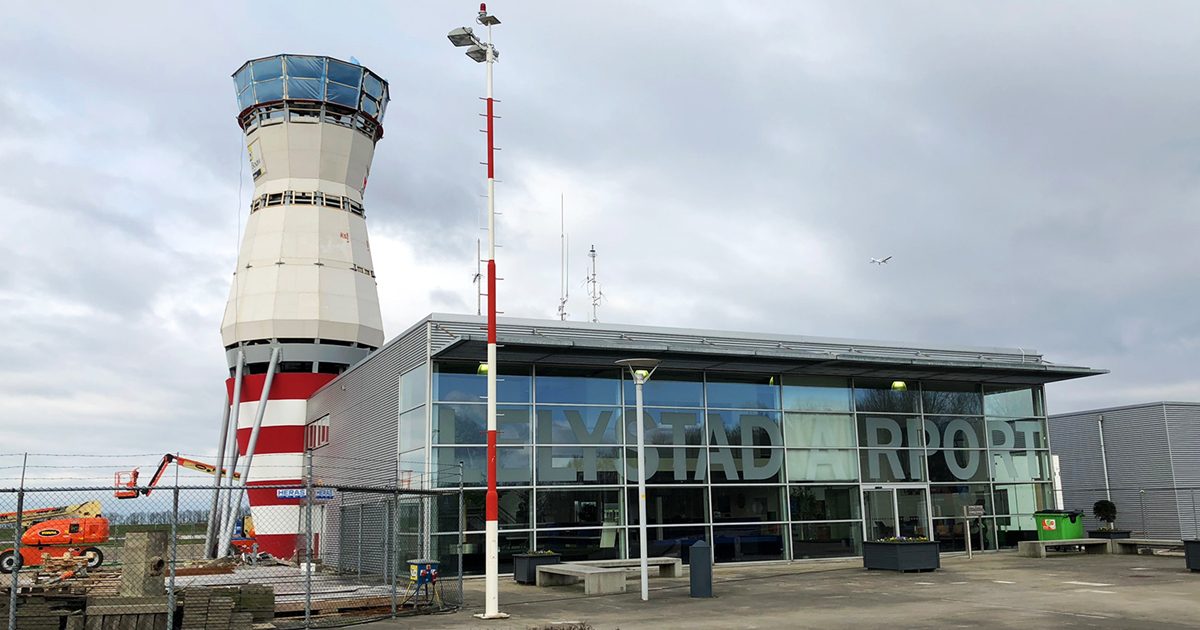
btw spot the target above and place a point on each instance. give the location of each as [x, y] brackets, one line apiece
[467, 424]
[669, 465]
[816, 393]
[1012, 529]
[949, 501]
[305, 66]
[880, 465]
[732, 464]
[341, 94]
[578, 425]
[742, 392]
[826, 540]
[958, 465]
[953, 432]
[372, 85]
[949, 534]
[744, 543]
[267, 69]
[824, 464]
[412, 387]
[878, 431]
[412, 425]
[872, 394]
[578, 386]
[668, 542]
[559, 465]
[462, 382]
[760, 428]
[513, 510]
[824, 503]
[513, 467]
[1020, 466]
[1012, 401]
[473, 551]
[808, 430]
[583, 544]
[671, 506]
[306, 89]
[1024, 498]
[345, 73]
[269, 90]
[958, 399]
[1024, 433]
[591, 507]
[668, 427]
[669, 389]
[747, 504]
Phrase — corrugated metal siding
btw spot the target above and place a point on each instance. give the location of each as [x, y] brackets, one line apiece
[1139, 466]
[1183, 429]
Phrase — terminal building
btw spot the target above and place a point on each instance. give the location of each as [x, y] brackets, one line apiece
[769, 447]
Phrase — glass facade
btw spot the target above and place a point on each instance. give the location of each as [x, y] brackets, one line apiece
[762, 467]
[310, 78]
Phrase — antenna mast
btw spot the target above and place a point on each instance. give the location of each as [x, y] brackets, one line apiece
[564, 291]
[593, 285]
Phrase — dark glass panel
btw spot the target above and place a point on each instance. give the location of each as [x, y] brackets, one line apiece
[307, 89]
[760, 428]
[372, 85]
[744, 543]
[670, 506]
[733, 464]
[958, 399]
[1023, 433]
[1020, 466]
[958, 465]
[341, 94]
[578, 386]
[569, 465]
[667, 427]
[591, 507]
[513, 510]
[268, 90]
[306, 67]
[896, 395]
[826, 540]
[467, 424]
[747, 504]
[578, 425]
[668, 542]
[583, 544]
[669, 465]
[879, 431]
[949, 534]
[1023, 498]
[267, 69]
[345, 73]
[668, 389]
[473, 551]
[952, 432]
[949, 501]
[824, 503]
[742, 392]
[892, 465]
[513, 467]
[462, 382]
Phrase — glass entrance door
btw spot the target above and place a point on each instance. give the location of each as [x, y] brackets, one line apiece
[896, 511]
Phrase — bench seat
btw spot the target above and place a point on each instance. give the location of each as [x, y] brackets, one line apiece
[667, 567]
[596, 580]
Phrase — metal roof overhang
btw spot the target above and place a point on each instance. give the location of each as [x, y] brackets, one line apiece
[602, 353]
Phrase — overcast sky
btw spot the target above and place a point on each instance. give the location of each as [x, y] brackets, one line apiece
[1034, 169]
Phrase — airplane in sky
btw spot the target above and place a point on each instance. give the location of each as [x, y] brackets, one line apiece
[880, 261]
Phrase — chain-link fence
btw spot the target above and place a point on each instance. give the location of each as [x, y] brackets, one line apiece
[197, 557]
[1163, 512]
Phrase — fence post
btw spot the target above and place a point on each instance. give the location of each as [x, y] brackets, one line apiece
[1142, 500]
[308, 538]
[17, 531]
[174, 551]
[462, 527]
[391, 548]
[359, 545]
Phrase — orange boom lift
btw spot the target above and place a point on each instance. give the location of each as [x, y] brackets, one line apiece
[126, 482]
[59, 532]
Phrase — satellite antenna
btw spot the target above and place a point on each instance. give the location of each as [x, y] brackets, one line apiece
[593, 285]
[564, 290]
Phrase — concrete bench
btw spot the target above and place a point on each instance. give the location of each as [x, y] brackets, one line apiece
[1037, 548]
[667, 567]
[596, 580]
[1130, 545]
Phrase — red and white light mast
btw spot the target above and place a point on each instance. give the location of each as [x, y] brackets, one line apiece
[485, 52]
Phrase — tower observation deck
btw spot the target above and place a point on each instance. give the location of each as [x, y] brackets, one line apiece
[304, 283]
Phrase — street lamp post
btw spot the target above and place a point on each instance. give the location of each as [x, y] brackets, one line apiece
[485, 52]
[641, 370]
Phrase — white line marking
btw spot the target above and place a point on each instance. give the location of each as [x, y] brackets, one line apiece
[1003, 582]
[1087, 583]
[1141, 569]
[1094, 590]
[958, 582]
[925, 583]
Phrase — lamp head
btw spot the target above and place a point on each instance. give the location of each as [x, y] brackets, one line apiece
[899, 386]
[463, 36]
[482, 369]
[479, 53]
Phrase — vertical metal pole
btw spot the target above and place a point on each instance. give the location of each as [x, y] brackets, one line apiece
[391, 548]
[174, 550]
[967, 527]
[1103, 456]
[492, 527]
[639, 380]
[18, 529]
[360, 545]
[235, 412]
[251, 445]
[210, 532]
[308, 534]
[1142, 500]
[462, 528]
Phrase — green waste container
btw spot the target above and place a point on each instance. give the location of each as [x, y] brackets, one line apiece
[1059, 524]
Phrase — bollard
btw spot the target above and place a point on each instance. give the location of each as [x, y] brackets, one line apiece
[700, 569]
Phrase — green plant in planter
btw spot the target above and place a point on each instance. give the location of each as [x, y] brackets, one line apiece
[541, 552]
[904, 539]
[1105, 510]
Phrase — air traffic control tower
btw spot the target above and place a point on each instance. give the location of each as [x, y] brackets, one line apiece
[303, 306]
